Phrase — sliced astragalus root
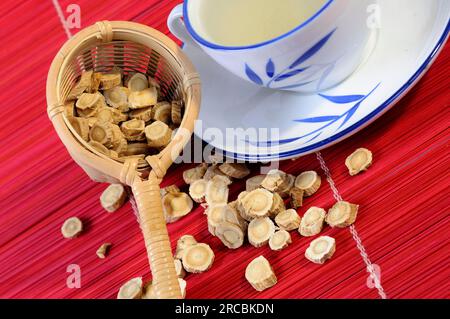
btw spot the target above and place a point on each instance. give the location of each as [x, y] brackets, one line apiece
[170, 189]
[90, 101]
[197, 190]
[133, 130]
[254, 182]
[260, 274]
[72, 227]
[82, 86]
[117, 97]
[176, 205]
[321, 249]
[158, 134]
[286, 187]
[275, 180]
[137, 82]
[230, 234]
[103, 250]
[260, 230]
[359, 161]
[144, 98]
[132, 289]
[162, 112]
[288, 220]
[81, 126]
[234, 170]
[296, 195]
[113, 197]
[277, 205]
[182, 243]
[215, 215]
[280, 240]
[309, 182]
[176, 113]
[179, 268]
[342, 214]
[312, 222]
[256, 204]
[102, 132]
[195, 173]
[217, 191]
[232, 216]
[213, 171]
[110, 80]
[144, 114]
[197, 258]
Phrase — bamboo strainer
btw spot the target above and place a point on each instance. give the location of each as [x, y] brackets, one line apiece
[134, 48]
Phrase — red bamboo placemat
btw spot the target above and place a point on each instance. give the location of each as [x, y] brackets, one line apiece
[403, 221]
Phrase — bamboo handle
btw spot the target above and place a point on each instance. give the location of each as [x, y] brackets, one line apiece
[156, 237]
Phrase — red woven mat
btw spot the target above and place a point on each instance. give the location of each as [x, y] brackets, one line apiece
[403, 221]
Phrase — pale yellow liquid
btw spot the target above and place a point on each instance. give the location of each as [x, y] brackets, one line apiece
[247, 22]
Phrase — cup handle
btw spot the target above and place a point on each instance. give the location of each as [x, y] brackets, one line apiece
[176, 24]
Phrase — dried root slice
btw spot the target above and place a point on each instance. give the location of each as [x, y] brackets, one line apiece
[197, 258]
[103, 250]
[215, 215]
[99, 148]
[102, 132]
[309, 182]
[158, 134]
[69, 109]
[110, 80]
[197, 190]
[176, 205]
[254, 182]
[359, 161]
[232, 215]
[135, 149]
[137, 82]
[342, 214]
[234, 170]
[285, 188]
[312, 222]
[72, 227]
[321, 249]
[144, 98]
[214, 170]
[176, 113]
[217, 191]
[179, 268]
[133, 130]
[193, 174]
[260, 274]
[117, 97]
[230, 234]
[296, 195]
[162, 112]
[83, 85]
[81, 126]
[256, 204]
[113, 197]
[277, 206]
[275, 181]
[288, 220]
[239, 207]
[280, 240]
[260, 230]
[89, 101]
[171, 189]
[144, 114]
[119, 143]
[182, 243]
[132, 289]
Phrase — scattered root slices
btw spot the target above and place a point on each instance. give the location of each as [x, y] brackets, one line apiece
[257, 203]
[260, 230]
[144, 114]
[102, 132]
[296, 195]
[197, 190]
[144, 98]
[230, 234]
[288, 220]
[234, 170]
[280, 240]
[117, 97]
[342, 214]
[260, 274]
[182, 243]
[133, 130]
[113, 197]
[309, 182]
[277, 205]
[359, 161]
[176, 205]
[215, 215]
[312, 222]
[275, 180]
[103, 250]
[72, 227]
[217, 191]
[179, 268]
[321, 249]
[158, 134]
[137, 82]
[254, 182]
[197, 258]
[110, 80]
[162, 112]
[132, 289]
[193, 174]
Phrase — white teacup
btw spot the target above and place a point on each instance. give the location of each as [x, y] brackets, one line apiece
[317, 54]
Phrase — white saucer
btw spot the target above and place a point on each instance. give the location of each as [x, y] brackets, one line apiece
[412, 33]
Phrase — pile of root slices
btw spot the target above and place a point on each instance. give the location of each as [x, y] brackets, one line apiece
[122, 116]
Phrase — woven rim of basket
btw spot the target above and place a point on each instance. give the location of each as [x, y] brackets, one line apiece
[103, 32]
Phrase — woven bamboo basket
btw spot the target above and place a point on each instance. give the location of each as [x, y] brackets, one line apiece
[134, 48]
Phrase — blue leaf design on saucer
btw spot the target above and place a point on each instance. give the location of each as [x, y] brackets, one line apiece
[343, 99]
[270, 68]
[252, 75]
[289, 74]
[319, 119]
